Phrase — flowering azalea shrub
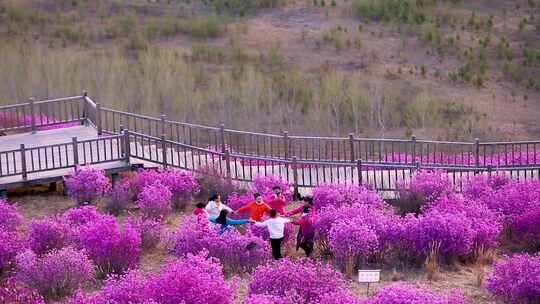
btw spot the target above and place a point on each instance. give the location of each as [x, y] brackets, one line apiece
[424, 188]
[119, 198]
[86, 184]
[237, 252]
[48, 234]
[13, 293]
[193, 279]
[182, 185]
[383, 222]
[155, 201]
[518, 203]
[112, 250]
[56, 274]
[352, 243]
[303, 281]
[339, 195]
[516, 279]
[480, 186]
[526, 228]
[401, 293]
[82, 215]
[150, 230]
[264, 184]
[11, 243]
[10, 218]
[485, 225]
[211, 180]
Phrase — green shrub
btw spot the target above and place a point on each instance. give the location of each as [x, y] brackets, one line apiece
[241, 7]
[137, 42]
[202, 27]
[206, 52]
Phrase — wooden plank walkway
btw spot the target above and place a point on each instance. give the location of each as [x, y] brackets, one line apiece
[49, 155]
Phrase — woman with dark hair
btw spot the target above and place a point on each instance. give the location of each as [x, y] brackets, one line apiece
[215, 205]
[225, 222]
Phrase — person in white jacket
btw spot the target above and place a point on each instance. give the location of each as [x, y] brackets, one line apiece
[276, 227]
[214, 206]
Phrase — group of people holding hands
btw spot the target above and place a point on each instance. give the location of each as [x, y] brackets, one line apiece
[271, 215]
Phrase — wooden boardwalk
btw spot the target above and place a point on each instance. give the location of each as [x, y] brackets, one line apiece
[88, 134]
[50, 155]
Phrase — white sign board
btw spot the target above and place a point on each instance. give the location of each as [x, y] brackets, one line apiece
[369, 276]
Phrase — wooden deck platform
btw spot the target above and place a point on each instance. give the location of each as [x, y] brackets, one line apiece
[50, 155]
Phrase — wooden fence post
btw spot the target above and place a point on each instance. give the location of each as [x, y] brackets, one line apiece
[127, 146]
[98, 118]
[75, 151]
[295, 177]
[23, 162]
[413, 149]
[476, 154]
[359, 170]
[33, 115]
[164, 151]
[351, 143]
[163, 117]
[286, 144]
[84, 118]
[228, 165]
[222, 136]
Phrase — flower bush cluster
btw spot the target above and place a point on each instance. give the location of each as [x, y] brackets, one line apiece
[13, 293]
[211, 180]
[112, 250]
[339, 195]
[56, 274]
[119, 198]
[155, 201]
[12, 241]
[352, 242]
[383, 222]
[182, 184]
[10, 219]
[424, 187]
[401, 293]
[48, 234]
[302, 282]
[87, 185]
[517, 204]
[454, 227]
[516, 279]
[150, 230]
[240, 252]
[193, 279]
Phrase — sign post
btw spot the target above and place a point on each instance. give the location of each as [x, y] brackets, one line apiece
[369, 276]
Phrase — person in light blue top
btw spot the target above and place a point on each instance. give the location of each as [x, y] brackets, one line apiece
[225, 222]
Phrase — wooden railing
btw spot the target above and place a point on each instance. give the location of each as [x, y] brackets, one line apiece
[30, 160]
[305, 160]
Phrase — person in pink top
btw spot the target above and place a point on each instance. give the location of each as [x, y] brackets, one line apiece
[278, 201]
[308, 201]
[306, 233]
[200, 211]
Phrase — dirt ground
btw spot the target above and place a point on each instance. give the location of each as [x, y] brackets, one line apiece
[463, 277]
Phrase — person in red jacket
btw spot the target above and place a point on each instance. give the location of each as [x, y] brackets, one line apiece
[256, 209]
[278, 200]
[306, 233]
